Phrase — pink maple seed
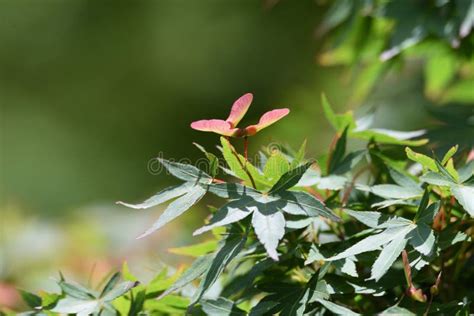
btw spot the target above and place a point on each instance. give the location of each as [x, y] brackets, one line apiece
[239, 108]
[216, 126]
[266, 120]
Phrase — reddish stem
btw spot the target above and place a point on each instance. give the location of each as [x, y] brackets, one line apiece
[246, 145]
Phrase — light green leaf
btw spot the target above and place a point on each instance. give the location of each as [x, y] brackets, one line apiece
[450, 153]
[452, 171]
[276, 166]
[290, 178]
[197, 268]
[338, 121]
[440, 69]
[424, 160]
[336, 309]
[445, 172]
[269, 227]
[186, 172]
[465, 196]
[422, 239]
[299, 156]
[241, 167]
[461, 91]
[176, 208]
[127, 275]
[231, 212]
[387, 256]
[221, 307]
[196, 250]
[211, 159]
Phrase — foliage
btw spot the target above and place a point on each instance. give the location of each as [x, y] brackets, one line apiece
[296, 237]
[375, 36]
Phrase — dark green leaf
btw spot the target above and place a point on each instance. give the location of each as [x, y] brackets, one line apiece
[290, 178]
[110, 284]
[302, 203]
[339, 151]
[422, 239]
[76, 290]
[198, 267]
[231, 247]
[32, 300]
[427, 214]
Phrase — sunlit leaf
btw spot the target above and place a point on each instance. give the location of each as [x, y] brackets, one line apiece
[231, 212]
[275, 167]
[465, 196]
[269, 227]
[387, 256]
[76, 306]
[336, 309]
[374, 242]
[392, 191]
[176, 208]
[422, 239]
[424, 160]
[185, 172]
[242, 168]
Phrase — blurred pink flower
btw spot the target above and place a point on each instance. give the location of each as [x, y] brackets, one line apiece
[239, 108]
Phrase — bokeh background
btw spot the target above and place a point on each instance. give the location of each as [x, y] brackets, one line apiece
[90, 91]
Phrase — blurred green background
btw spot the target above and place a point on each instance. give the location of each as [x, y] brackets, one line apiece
[90, 91]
